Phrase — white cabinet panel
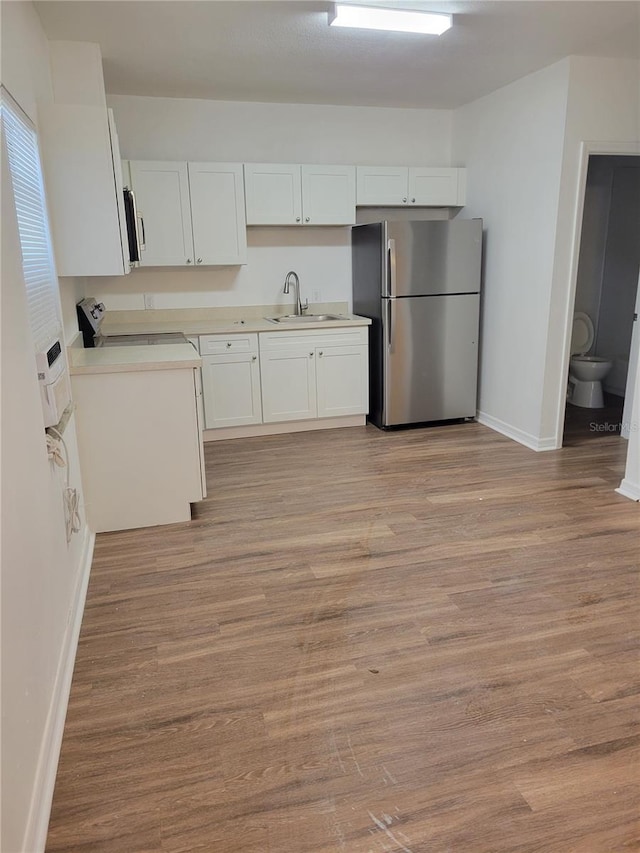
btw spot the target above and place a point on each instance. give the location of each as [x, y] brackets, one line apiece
[162, 195]
[273, 194]
[382, 185]
[328, 195]
[342, 381]
[217, 212]
[230, 380]
[141, 458]
[431, 186]
[231, 386]
[83, 180]
[288, 384]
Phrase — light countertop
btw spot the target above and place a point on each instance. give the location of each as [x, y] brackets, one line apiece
[131, 359]
[193, 327]
[223, 321]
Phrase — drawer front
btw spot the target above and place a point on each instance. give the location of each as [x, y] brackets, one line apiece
[219, 344]
[352, 336]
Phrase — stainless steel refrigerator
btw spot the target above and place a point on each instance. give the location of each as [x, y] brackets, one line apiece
[419, 282]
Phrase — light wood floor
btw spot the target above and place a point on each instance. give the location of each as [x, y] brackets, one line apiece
[422, 641]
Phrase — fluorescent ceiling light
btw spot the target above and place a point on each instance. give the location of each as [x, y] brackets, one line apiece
[397, 20]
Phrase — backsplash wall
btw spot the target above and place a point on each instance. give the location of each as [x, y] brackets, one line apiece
[320, 256]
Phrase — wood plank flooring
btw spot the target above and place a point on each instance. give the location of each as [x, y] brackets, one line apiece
[422, 641]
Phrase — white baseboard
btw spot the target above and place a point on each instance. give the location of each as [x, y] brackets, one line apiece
[38, 822]
[522, 437]
[283, 427]
[629, 490]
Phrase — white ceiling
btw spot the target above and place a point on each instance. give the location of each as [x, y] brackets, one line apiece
[285, 51]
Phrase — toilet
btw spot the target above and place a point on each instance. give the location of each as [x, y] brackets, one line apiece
[586, 372]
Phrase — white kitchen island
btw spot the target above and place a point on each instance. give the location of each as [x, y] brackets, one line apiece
[139, 433]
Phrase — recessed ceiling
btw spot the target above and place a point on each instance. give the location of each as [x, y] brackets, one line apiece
[285, 52]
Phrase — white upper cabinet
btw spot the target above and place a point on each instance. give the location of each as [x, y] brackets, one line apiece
[435, 186]
[395, 186]
[217, 211]
[189, 214]
[281, 194]
[83, 179]
[329, 195]
[164, 213]
[273, 193]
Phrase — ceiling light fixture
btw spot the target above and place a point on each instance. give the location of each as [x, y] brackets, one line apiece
[396, 20]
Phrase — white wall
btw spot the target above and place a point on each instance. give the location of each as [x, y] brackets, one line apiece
[602, 106]
[41, 575]
[511, 142]
[190, 129]
[183, 129]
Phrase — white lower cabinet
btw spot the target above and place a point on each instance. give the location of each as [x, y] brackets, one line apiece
[280, 377]
[315, 374]
[230, 380]
[142, 460]
[288, 383]
[342, 380]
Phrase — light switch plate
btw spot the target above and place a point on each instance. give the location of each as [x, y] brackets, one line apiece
[149, 300]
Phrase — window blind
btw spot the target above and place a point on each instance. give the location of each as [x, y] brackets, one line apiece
[33, 229]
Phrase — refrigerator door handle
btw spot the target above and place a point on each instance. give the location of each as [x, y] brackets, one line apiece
[389, 324]
[391, 248]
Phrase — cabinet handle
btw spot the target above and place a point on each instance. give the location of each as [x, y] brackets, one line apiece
[404, 199]
[310, 355]
[228, 344]
[306, 219]
[254, 358]
[297, 219]
[143, 241]
[413, 201]
[199, 260]
[188, 260]
[320, 353]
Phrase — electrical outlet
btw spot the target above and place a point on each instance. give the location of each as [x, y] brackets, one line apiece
[149, 300]
[316, 297]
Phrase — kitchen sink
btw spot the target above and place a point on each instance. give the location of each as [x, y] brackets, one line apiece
[305, 318]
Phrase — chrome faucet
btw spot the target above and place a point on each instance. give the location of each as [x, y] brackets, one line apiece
[293, 277]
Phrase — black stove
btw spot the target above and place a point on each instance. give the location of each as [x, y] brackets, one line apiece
[91, 316]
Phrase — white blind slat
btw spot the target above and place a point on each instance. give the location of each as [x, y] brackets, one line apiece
[37, 257]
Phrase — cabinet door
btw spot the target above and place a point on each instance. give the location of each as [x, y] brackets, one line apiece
[328, 195]
[382, 185]
[433, 186]
[288, 384]
[342, 381]
[162, 196]
[84, 196]
[217, 213]
[273, 194]
[231, 389]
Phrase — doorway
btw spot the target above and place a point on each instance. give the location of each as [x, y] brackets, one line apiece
[606, 293]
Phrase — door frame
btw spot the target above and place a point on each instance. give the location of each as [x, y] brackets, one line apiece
[586, 150]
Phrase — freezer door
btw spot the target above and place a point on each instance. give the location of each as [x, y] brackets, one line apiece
[433, 257]
[430, 358]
